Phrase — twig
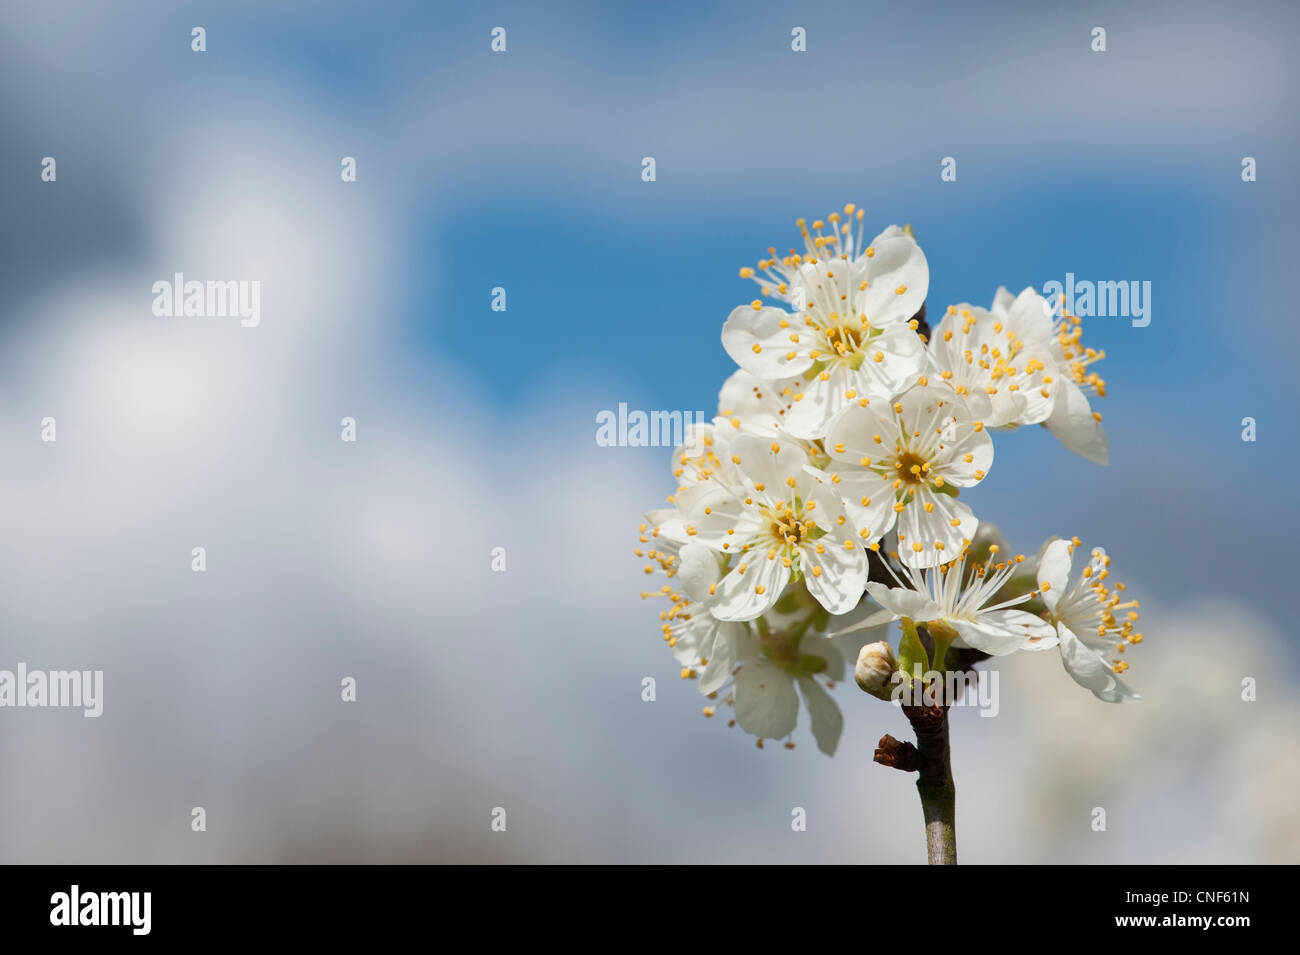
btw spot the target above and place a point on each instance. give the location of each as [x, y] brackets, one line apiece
[930, 757]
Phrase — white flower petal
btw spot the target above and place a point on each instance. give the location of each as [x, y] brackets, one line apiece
[757, 342]
[894, 358]
[1054, 562]
[712, 513]
[697, 570]
[770, 464]
[766, 703]
[867, 500]
[748, 594]
[755, 402]
[953, 466]
[879, 620]
[721, 654]
[1008, 408]
[1037, 396]
[691, 635]
[850, 435]
[1030, 315]
[1075, 427]
[827, 721]
[837, 575]
[904, 602]
[897, 276]
[817, 401]
[933, 527]
[1090, 670]
[999, 632]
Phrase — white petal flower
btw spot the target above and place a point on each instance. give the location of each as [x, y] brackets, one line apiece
[1001, 363]
[1073, 421]
[844, 428]
[787, 653]
[852, 331]
[957, 596]
[1092, 637]
[897, 461]
[1019, 366]
[874, 364]
[892, 265]
[704, 645]
[762, 667]
[780, 526]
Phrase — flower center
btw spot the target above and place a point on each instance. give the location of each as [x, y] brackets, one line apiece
[787, 528]
[911, 467]
[845, 340]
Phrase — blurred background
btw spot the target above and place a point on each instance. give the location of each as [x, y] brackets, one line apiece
[475, 429]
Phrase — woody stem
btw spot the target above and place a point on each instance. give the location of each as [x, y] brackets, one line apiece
[930, 757]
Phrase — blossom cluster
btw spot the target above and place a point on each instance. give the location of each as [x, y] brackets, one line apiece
[822, 503]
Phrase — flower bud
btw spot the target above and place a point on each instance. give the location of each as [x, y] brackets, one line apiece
[874, 670]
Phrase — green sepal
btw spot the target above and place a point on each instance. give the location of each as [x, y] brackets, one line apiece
[814, 371]
[810, 664]
[911, 650]
[943, 636]
[789, 602]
